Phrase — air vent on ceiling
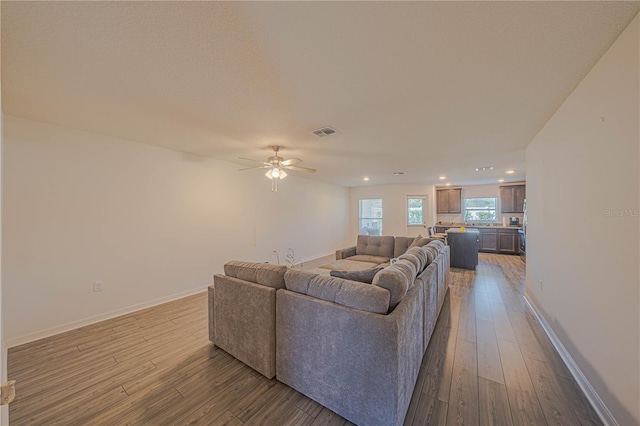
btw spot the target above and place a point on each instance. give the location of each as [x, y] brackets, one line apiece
[325, 131]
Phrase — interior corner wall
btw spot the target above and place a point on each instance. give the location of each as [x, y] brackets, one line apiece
[582, 265]
[150, 223]
[394, 206]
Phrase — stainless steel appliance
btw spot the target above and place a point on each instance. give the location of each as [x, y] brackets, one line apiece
[514, 221]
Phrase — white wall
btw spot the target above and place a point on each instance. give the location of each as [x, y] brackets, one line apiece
[584, 164]
[394, 206]
[150, 223]
[478, 191]
[4, 409]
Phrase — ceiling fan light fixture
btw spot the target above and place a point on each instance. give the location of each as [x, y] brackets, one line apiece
[276, 173]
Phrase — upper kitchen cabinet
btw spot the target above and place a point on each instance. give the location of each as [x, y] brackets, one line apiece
[449, 200]
[512, 198]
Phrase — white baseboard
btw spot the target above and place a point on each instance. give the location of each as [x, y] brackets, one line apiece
[48, 332]
[593, 397]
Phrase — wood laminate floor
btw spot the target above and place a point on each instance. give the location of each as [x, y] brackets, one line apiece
[488, 363]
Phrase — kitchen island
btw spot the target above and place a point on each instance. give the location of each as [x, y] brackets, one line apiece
[464, 248]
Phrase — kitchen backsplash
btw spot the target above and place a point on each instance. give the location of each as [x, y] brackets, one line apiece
[459, 218]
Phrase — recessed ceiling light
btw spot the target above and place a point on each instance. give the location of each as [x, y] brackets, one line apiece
[509, 172]
[442, 177]
[365, 178]
[448, 184]
[500, 180]
[398, 173]
[484, 169]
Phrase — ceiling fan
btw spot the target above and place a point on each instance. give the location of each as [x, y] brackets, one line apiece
[277, 166]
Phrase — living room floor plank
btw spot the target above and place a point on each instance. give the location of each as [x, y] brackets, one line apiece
[157, 367]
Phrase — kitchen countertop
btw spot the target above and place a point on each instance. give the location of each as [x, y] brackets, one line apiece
[481, 226]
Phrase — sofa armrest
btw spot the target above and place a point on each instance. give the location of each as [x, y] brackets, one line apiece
[345, 252]
[244, 316]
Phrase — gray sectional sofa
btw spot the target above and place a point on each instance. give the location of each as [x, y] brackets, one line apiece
[372, 251]
[353, 347]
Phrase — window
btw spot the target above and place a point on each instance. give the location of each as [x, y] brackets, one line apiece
[415, 211]
[371, 217]
[480, 210]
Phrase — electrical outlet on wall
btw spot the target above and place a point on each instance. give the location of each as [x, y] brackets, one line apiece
[97, 286]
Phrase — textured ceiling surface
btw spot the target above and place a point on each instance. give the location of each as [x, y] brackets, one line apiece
[427, 88]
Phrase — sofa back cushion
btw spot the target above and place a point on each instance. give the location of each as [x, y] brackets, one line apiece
[353, 294]
[401, 245]
[374, 245]
[432, 252]
[439, 245]
[260, 273]
[363, 276]
[417, 256]
[397, 279]
[420, 242]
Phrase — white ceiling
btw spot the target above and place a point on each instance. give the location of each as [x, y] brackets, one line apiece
[427, 88]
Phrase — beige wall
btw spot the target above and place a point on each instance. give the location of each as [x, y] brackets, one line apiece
[584, 163]
[4, 409]
[394, 205]
[478, 191]
[150, 223]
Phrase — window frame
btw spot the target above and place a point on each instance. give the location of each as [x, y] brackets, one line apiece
[494, 209]
[424, 202]
[378, 219]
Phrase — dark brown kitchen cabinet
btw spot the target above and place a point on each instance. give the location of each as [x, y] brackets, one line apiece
[449, 201]
[499, 240]
[512, 198]
[489, 240]
[508, 241]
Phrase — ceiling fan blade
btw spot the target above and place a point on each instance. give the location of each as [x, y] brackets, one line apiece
[290, 161]
[300, 169]
[256, 167]
[255, 161]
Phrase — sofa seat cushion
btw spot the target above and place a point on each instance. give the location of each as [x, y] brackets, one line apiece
[369, 258]
[364, 276]
[348, 265]
[374, 245]
[397, 279]
[261, 273]
[337, 290]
